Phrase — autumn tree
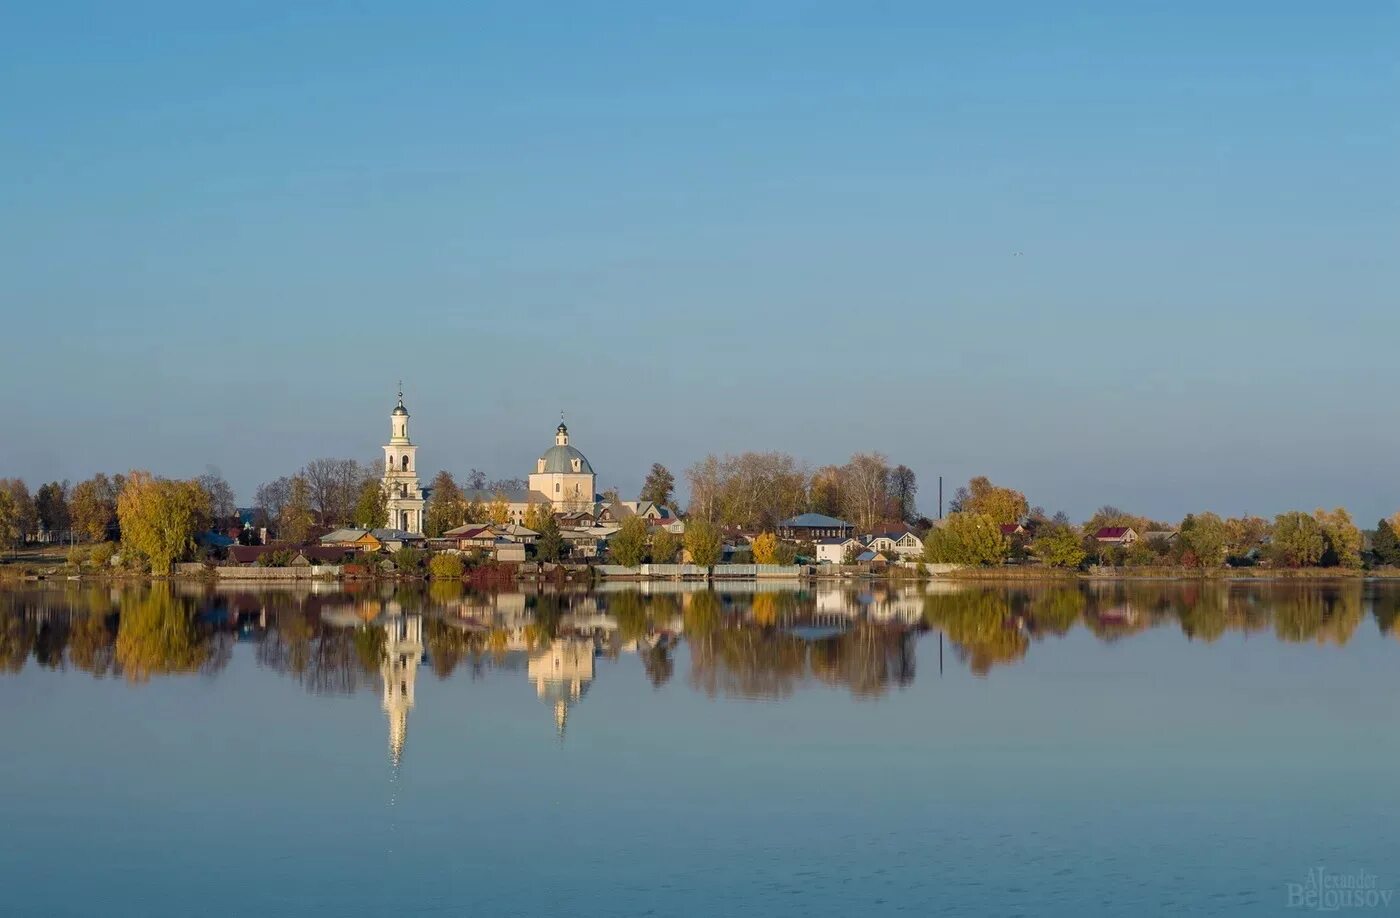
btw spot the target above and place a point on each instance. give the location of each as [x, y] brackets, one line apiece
[826, 492]
[447, 506]
[372, 506]
[865, 483]
[1002, 505]
[537, 516]
[665, 545]
[24, 515]
[159, 517]
[334, 486]
[10, 531]
[629, 544]
[903, 487]
[704, 542]
[1342, 537]
[499, 510]
[1297, 541]
[93, 505]
[765, 548]
[966, 537]
[297, 516]
[1206, 537]
[271, 498]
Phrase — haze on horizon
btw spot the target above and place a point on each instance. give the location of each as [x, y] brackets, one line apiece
[1098, 253]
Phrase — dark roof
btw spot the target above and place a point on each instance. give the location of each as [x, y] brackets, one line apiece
[1112, 532]
[814, 521]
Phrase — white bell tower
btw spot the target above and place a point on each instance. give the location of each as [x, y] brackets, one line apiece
[402, 493]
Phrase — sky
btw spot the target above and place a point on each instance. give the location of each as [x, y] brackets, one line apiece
[1104, 253]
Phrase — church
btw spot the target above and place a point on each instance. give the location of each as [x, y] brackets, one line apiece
[562, 478]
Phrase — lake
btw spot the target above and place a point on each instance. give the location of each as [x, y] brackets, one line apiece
[1090, 749]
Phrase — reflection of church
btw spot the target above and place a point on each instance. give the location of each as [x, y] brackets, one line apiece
[561, 673]
[403, 650]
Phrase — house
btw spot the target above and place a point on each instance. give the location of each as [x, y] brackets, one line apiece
[361, 540]
[834, 550]
[1116, 535]
[900, 542]
[1011, 530]
[809, 527]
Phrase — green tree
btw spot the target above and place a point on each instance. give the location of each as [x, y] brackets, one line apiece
[51, 505]
[447, 507]
[1207, 537]
[966, 538]
[665, 546]
[408, 559]
[765, 548]
[550, 546]
[159, 518]
[629, 544]
[297, 515]
[9, 521]
[1385, 545]
[372, 506]
[704, 542]
[1298, 540]
[1342, 537]
[1057, 545]
[660, 486]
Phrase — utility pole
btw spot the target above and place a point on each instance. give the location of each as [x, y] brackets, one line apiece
[940, 497]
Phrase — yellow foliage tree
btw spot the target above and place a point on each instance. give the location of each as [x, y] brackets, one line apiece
[499, 511]
[159, 517]
[765, 548]
[537, 516]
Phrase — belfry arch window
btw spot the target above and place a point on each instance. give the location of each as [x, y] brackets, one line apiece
[405, 463]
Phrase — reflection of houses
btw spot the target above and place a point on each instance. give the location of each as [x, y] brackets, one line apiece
[561, 673]
[403, 651]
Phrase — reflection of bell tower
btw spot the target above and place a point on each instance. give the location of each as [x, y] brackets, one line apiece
[403, 649]
[561, 673]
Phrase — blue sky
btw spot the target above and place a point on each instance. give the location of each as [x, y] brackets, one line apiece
[1107, 255]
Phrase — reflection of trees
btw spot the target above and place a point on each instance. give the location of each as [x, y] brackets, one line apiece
[1056, 610]
[93, 643]
[16, 640]
[1325, 614]
[658, 663]
[323, 659]
[157, 635]
[979, 625]
[867, 658]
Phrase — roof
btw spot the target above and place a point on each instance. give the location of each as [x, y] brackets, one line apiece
[395, 535]
[560, 459]
[1113, 532]
[844, 541]
[469, 531]
[1011, 528]
[347, 534]
[813, 521]
[513, 496]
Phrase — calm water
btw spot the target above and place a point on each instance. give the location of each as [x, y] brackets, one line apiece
[1047, 751]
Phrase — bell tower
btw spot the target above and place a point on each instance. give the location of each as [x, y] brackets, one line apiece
[402, 493]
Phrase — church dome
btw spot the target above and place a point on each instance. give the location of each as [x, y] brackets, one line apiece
[560, 459]
[401, 411]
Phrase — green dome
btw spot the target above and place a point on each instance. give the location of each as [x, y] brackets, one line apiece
[560, 459]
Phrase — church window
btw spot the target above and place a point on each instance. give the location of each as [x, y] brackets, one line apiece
[405, 463]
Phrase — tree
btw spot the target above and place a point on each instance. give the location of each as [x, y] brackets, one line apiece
[1002, 505]
[1298, 540]
[159, 517]
[1207, 537]
[665, 545]
[629, 544]
[334, 486]
[1342, 537]
[966, 537]
[220, 494]
[903, 487]
[51, 505]
[536, 516]
[765, 548]
[9, 521]
[93, 506]
[1385, 544]
[659, 487]
[499, 511]
[1057, 545]
[271, 498]
[550, 546]
[24, 513]
[372, 507]
[445, 566]
[297, 517]
[704, 542]
[865, 481]
[447, 507]
[826, 493]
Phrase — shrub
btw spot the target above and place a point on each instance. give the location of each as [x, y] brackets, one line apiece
[445, 567]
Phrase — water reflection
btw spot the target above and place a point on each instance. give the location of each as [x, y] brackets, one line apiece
[748, 642]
